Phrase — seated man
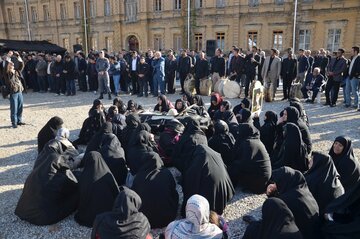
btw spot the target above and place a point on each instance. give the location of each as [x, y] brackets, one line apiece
[312, 83]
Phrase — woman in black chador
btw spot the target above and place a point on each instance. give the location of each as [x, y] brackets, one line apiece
[293, 150]
[251, 167]
[124, 221]
[345, 162]
[207, 176]
[323, 180]
[290, 186]
[157, 188]
[192, 136]
[98, 189]
[292, 115]
[48, 132]
[50, 192]
[106, 143]
[223, 142]
[268, 131]
[277, 222]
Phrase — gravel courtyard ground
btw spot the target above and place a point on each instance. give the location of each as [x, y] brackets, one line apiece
[18, 152]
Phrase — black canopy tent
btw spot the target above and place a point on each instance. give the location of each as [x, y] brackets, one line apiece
[30, 46]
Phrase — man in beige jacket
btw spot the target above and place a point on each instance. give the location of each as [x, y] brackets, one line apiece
[271, 71]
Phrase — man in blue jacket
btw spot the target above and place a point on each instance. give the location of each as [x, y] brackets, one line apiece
[158, 65]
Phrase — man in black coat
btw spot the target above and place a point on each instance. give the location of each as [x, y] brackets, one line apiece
[143, 69]
[313, 83]
[69, 75]
[237, 64]
[321, 61]
[336, 70]
[252, 60]
[170, 72]
[218, 63]
[288, 74]
[201, 71]
[184, 68]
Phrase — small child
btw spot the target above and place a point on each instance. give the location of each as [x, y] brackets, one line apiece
[221, 223]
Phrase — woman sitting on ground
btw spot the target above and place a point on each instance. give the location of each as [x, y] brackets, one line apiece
[163, 105]
[48, 132]
[180, 106]
[196, 224]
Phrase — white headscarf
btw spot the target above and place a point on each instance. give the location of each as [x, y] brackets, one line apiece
[196, 224]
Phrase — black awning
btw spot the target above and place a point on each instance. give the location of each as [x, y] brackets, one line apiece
[30, 46]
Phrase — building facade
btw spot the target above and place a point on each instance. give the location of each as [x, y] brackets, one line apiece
[163, 24]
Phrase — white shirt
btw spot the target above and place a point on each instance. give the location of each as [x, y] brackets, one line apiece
[133, 64]
[352, 63]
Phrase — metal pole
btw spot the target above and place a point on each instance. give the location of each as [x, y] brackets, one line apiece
[188, 24]
[85, 28]
[27, 19]
[294, 29]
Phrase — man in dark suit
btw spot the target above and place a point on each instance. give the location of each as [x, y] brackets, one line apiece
[352, 81]
[184, 68]
[252, 60]
[312, 83]
[218, 63]
[288, 73]
[201, 71]
[336, 70]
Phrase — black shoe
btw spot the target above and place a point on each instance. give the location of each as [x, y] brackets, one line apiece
[109, 94]
[326, 103]
[332, 105]
[21, 123]
[284, 98]
[14, 126]
[101, 97]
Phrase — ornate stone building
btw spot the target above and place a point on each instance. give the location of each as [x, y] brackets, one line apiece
[162, 24]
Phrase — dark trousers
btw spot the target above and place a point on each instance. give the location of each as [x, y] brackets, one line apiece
[249, 78]
[124, 82]
[70, 87]
[93, 83]
[332, 91]
[287, 86]
[182, 80]
[134, 82]
[42, 83]
[34, 82]
[170, 81]
[82, 82]
[315, 91]
[143, 86]
[16, 107]
[197, 85]
[60, 85]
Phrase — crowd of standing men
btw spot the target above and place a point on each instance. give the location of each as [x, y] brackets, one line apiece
[155, 73]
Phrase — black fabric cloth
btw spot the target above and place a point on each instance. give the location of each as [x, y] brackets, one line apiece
[98, 189]
[213, 108]
[132, 123]
[90, 126]
[277, 222]
[53, 146]
[49, 131]
[165, 105]
[50, 192]
[139, 152]
[223, 142]
[184, 149]
[106, 143]
[268, 133]
[346, 163]
[346, 214]
[157, 188]
[124, 221]
[323, 180]
[302, 113]
[183, 105]
[293, 190]
[293, 150]
[251, 168]
[207, 176]
[293, 116]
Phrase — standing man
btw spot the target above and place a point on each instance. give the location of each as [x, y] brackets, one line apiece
[40, 69]
[57, 72]
[310, 60]
[288, 74]
[303, 66]
[69, 75]
[170, 72]
[133, 73]
[218, 63]
[237, 64]
[12, 80]
[184, 68]
[321, 61]
[82, 66]
[271, 71]
[336, 70]
[352, 81]
[158, 65]
[149, 59]
[102, 67]
[143, 76]
[252, 60]
[201, 71]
